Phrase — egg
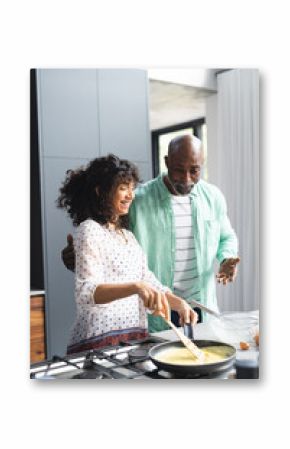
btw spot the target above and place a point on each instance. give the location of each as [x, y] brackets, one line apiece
[257, 338]
[244, 345]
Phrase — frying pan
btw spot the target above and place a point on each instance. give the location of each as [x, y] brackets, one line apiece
[194, 369]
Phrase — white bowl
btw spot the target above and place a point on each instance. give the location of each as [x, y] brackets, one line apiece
[234, 327]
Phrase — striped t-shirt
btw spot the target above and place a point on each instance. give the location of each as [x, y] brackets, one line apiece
[186, 280]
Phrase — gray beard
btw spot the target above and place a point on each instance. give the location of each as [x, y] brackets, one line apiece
[176, 187]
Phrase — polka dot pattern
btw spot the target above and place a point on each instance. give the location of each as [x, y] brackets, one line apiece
[104, 256]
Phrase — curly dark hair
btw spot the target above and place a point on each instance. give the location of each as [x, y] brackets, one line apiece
[78, 192]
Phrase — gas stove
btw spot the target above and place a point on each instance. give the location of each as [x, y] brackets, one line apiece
[128, 360]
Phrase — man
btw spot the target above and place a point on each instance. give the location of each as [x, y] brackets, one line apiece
[181, 222]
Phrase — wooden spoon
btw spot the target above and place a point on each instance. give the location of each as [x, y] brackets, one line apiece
[195, 351]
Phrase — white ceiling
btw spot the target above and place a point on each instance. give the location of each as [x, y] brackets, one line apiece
[196, 77]
[171, 103]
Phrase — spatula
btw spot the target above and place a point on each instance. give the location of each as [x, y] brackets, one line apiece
[195, 351]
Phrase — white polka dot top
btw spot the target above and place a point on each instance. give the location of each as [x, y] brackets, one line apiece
[104, 256]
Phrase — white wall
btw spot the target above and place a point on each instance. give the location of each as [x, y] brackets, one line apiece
[212, 137]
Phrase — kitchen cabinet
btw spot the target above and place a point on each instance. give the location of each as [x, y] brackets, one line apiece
[68, 112]
[81, 114]
[123, 114]
[37, 328]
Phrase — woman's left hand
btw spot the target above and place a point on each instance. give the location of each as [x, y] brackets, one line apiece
[186, 314]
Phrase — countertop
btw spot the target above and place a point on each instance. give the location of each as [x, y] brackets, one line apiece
[201, 332]
[37, 292]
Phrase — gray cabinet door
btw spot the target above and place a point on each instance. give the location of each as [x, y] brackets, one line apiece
[145, 170]
[59, 282]
[123, 113]
[68, 112]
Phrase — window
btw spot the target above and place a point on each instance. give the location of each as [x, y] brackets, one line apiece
[162, 137]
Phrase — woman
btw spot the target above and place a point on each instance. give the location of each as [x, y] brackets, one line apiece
[113, 285]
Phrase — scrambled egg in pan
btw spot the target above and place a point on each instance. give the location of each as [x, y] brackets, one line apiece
[182, 356]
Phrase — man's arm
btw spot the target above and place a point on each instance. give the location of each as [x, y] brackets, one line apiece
[68, 254]
[228, 244]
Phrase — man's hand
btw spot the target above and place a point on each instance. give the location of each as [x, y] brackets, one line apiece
[228, 270]
[68, 254]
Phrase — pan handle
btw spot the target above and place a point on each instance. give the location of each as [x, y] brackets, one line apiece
[188, 331]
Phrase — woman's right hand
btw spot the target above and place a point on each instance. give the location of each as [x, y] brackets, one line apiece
[153, 300]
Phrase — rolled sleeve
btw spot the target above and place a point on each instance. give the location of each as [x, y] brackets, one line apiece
[228, 244]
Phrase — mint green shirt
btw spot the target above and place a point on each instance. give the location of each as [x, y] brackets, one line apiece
[152, 222]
